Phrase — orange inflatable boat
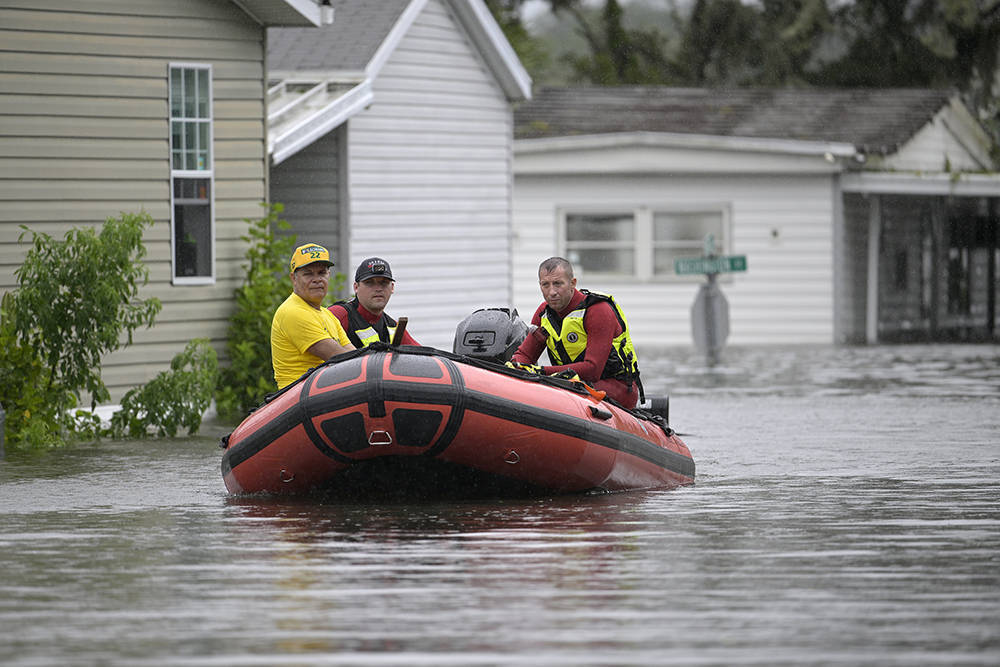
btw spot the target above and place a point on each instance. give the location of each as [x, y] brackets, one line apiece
[412, 420]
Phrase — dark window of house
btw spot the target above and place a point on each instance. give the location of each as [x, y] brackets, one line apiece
[958, 271]
[901, 271]
[191, 174]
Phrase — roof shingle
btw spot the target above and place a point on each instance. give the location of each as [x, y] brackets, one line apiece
[359, 27]
[873, 120]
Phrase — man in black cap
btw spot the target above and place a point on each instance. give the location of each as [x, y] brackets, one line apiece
[363, 317]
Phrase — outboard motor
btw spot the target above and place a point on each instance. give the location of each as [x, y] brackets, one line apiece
[493, 334]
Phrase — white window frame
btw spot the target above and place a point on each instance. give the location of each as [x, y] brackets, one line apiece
[642, 216]
[207, 173]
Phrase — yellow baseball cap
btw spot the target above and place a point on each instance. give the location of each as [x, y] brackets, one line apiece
[310, 253]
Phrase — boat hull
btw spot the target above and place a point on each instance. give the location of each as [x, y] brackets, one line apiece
[412, 416]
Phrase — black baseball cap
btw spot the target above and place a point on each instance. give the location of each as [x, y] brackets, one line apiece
[373, 267]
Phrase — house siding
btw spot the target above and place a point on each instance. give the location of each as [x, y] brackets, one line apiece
[782, 224]
[952, 141]
[430, 178]
[85, 137]
[309, 186]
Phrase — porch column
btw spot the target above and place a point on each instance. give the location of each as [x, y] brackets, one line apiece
[993, 239]
[874, 237]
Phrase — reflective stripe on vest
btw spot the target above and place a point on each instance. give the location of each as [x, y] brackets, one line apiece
[366, 336]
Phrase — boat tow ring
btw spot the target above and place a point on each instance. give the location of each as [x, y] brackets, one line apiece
[286, 476]
[511, 457]
[379, 438]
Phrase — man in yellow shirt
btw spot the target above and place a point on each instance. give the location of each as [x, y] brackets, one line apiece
[304, 334]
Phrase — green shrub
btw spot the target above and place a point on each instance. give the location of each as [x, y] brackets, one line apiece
[249, 376]
[76, 300]
[174, 398]
[33, 417]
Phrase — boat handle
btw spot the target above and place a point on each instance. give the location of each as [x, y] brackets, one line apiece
[599, 413]
[383, 438]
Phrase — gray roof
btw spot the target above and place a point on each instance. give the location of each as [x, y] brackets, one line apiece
[873, 120]
[359, 27]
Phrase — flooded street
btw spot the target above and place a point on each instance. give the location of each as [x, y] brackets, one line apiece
[846, 511]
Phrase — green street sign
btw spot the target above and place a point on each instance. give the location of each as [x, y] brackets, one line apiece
[690, 265]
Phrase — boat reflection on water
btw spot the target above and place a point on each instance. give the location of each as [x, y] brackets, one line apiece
[493, 537]
[410, 566]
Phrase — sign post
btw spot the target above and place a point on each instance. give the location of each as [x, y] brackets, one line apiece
[710, 319]
[710, 311]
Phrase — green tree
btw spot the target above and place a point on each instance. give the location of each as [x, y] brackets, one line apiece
[618, 55]
[721, 44]
[729, 43]
[76, 300]
[918, 43]
[717, 42]
[530, 51]
[880, 48]
[615, 54]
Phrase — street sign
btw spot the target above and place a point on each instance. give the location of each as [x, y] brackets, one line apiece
[725, 264]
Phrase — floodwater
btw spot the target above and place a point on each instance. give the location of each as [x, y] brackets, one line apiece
[846, 512]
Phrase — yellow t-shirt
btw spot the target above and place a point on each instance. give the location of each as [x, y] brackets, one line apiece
[295, 327]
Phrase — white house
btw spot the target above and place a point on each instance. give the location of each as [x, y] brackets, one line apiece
[864, 215]
[390, 134]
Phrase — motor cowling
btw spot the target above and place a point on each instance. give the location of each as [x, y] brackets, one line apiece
[493, 334]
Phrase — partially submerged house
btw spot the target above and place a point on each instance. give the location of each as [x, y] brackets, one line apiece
[865, 215]
[124, 106]
[390, 134]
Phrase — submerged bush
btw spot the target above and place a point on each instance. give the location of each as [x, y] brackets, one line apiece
[173, 399]
[76, 300]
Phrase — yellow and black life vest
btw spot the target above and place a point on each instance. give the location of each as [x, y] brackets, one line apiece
[567, 340]
[360, 332]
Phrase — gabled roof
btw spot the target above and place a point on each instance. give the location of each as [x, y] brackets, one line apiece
[320, 77]
[873, 120]
[347, 45]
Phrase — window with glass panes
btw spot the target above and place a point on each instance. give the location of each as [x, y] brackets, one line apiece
[641, 243]
[191, 173]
